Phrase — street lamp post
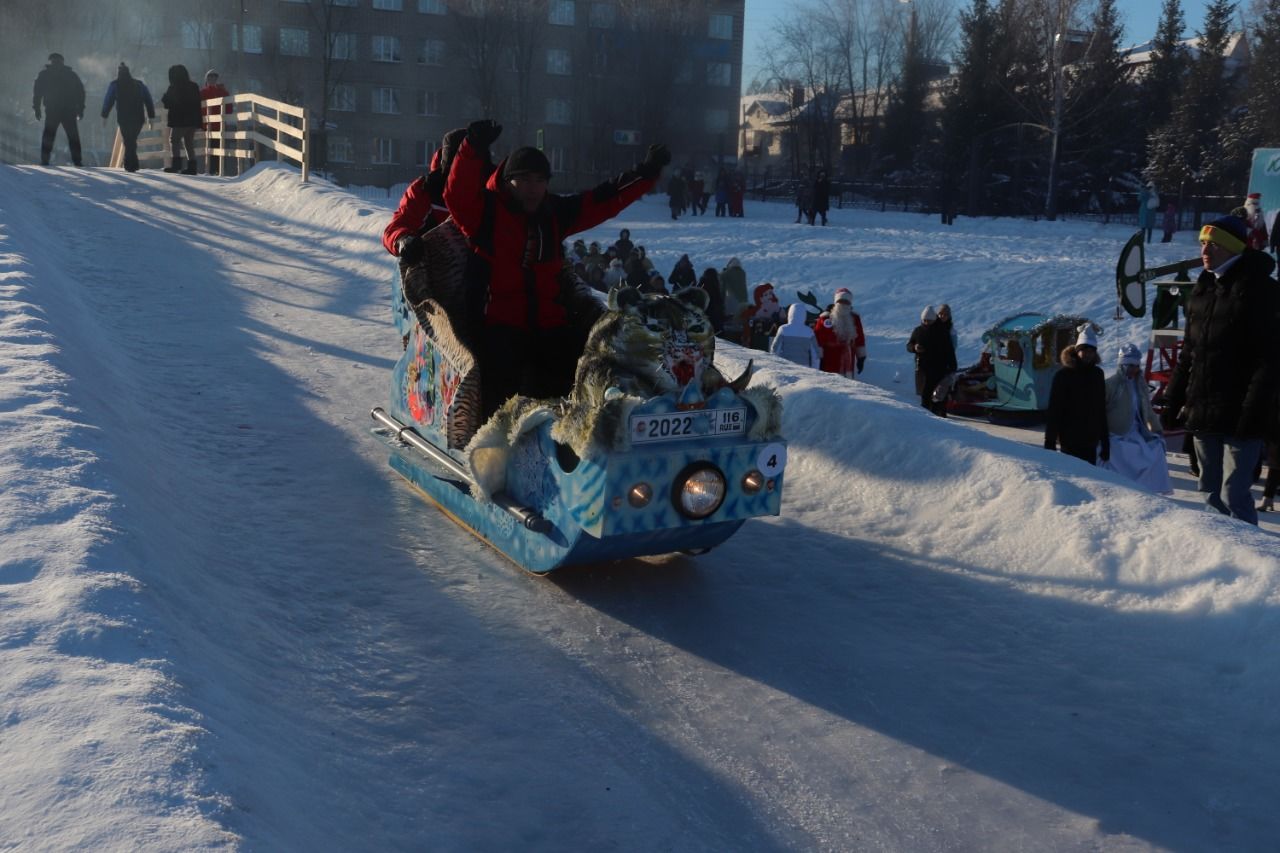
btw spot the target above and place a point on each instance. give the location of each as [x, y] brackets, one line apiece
[1051, 197]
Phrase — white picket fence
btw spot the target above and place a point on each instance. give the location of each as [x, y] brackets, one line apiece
[251, 125]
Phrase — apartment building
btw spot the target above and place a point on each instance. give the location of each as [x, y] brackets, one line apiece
[592, 83]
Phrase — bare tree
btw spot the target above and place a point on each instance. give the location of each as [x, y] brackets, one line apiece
[483, 29]
[529, 22]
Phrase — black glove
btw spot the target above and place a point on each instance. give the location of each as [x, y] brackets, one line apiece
[409, 249]
[483, 133]
[1169, 418]
[657, 157]
[37, 114]
[1105, 455]
[862, 363]
[449, 147]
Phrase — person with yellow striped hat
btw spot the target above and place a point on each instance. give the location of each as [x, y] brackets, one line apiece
[1227, 376]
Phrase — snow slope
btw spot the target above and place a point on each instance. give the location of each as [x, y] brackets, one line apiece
[225, 623]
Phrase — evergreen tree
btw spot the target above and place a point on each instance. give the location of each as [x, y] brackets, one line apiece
[1100, 136]
[1187, 149]
[1163, 79]
[1264, 78]
[904, 119]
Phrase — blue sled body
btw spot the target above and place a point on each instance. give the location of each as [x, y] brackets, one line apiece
[589, 509]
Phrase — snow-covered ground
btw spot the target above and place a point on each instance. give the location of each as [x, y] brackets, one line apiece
[225, 622]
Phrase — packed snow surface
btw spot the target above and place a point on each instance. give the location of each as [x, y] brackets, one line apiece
[225, 623]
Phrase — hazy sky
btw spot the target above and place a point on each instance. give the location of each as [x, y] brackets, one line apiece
[1139, 18]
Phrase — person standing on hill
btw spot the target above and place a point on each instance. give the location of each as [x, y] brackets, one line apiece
[182, 100]
[59, 91]
[1225, 383]
[839, 334]
[1077, 414]
[133, 105]
[794, 340]
[212, 89]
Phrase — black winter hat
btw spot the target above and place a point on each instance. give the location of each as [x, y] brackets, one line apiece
[527, 161]
[56, 58]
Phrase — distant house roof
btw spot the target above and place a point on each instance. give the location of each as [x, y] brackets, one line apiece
[1237, 51]
[765, 105]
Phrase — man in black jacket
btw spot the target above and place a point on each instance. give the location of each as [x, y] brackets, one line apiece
[1224, 385]
[60, 91]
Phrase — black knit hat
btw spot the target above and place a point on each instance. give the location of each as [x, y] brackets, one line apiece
[527, 161]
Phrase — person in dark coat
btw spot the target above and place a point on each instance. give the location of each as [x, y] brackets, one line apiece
[682, 274]
[182, 100]
[516, 228]
[422, 206]
[935, 357]
[1225, 383]
[59, 91]
[804, 203]
[1077, 415]
[623, 245]
[710, 282]
[676, 194]
[821, 198]
[133, 105]
[697, 185]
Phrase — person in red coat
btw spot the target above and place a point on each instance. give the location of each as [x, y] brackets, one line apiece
[422, 206]
[212, 89]
[839, 333]
[516, 228]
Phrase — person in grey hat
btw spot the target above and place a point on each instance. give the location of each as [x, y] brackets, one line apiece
[61, 94]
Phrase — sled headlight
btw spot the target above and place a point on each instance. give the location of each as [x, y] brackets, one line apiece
[753, 482]
[699, 490]
[639, 495]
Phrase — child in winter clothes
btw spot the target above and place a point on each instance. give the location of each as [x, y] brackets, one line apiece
[1136, 439]
[212, 89]
[795, 341]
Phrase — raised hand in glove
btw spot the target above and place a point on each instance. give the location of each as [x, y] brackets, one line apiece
[409, 249]
[483, 133]
[37, 114]
[657, 157]
[862, 362]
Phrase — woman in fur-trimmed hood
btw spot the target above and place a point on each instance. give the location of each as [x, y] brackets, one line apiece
[1077, 416]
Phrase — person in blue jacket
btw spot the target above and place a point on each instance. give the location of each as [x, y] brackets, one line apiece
[133, 105]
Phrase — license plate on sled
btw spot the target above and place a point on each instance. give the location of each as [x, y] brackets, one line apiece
[676, 426]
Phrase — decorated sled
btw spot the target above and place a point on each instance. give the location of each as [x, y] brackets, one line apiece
[1016, 369]
[653, 452]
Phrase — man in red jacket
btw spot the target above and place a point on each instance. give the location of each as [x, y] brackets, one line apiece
[212, 89]
[516, 227]
[422, 205]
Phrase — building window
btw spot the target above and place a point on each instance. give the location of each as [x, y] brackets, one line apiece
[384, 151]
[431, 52]
[197, 35]
[386, 100]
[601, 15]
[684, 72]
[432, 7]
[340, 149]
[295, 41]
[428, 103]
[716, 121]
[559, 61]
[556, 156]
[342, 99]
[344, 2]
[559, 111]
[342, 45]
[389, 5]
[560, 12]
[719, 74]
[247, 39]
[720, 27]
[386, 49]
[423, 150]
